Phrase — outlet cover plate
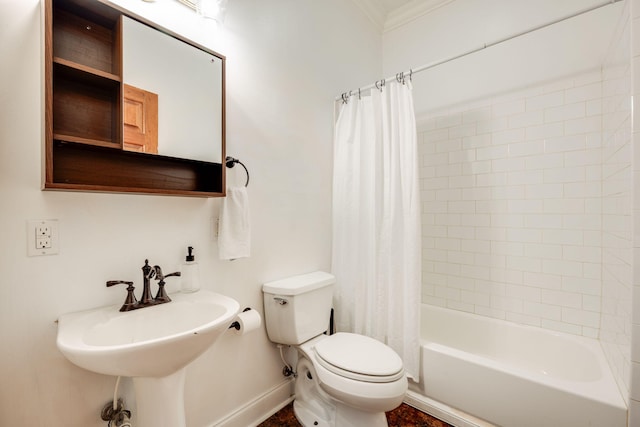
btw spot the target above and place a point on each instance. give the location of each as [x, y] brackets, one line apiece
[39, 244]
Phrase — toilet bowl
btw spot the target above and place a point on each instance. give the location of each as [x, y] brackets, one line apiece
[344, 379]
[347, 380]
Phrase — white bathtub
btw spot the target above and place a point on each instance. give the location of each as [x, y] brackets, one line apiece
[515, 376]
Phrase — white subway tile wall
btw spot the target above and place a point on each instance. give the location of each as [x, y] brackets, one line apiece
[512, 212]
[617, 206]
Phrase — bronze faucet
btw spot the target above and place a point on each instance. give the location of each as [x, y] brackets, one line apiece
[148, 273]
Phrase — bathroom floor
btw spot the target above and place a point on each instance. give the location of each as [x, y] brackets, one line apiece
[403, 416]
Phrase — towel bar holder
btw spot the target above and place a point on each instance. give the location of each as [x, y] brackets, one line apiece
[231, 162]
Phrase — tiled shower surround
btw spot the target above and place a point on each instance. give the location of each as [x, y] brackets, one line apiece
[617, 206]
[512, 206]
[527, 212]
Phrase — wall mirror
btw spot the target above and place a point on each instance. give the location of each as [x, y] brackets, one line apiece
[184, 85]
[130, 107]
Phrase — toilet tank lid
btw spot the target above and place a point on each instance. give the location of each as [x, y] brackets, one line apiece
[299, 284]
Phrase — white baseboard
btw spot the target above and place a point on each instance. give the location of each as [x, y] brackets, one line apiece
[260, 408]
[270, 402]
[443, 412]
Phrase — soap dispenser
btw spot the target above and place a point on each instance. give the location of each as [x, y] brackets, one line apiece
[190, 278]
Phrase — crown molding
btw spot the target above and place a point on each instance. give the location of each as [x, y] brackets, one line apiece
[410, 12]
[374, 11]
[384, 21]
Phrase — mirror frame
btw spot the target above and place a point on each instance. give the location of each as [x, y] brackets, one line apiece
[73, 163]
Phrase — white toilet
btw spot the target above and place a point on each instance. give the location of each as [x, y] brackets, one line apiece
[342, 379]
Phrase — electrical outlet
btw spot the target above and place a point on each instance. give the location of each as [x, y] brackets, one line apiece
[43, 243]
[43, 230]
[42, 237]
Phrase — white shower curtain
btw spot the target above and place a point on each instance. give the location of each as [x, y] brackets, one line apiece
[376, 221]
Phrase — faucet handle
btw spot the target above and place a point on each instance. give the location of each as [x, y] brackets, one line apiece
[131, 302]
[161, 296]
[118, 282]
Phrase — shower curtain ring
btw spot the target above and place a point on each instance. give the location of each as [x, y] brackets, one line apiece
[410, 74]
[359, 94]
[345, 98]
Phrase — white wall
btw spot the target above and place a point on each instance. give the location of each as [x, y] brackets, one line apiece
[287, 60]
[460, 26]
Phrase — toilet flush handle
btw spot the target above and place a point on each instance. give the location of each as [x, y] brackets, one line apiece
[280, 300]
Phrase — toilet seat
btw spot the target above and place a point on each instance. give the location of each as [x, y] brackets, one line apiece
[359, 358]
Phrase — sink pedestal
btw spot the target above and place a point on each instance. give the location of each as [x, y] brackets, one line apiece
[160, 401]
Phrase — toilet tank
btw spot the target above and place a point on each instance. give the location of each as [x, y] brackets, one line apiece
[298, 308]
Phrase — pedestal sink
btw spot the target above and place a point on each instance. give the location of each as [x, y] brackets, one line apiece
[153, 345]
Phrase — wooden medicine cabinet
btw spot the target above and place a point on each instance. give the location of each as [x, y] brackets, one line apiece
[86, 146]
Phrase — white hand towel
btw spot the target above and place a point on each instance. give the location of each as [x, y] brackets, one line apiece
[234, 231]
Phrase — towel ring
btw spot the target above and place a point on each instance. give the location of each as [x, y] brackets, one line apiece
[231, 162]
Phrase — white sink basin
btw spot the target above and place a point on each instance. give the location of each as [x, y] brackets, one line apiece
[153, 341]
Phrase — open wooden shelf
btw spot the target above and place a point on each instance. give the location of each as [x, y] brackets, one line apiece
[79, 37]
[93, 168]
[86, 69]
[86, 107]
[86, 73]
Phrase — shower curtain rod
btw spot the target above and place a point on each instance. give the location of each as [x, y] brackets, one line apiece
[401, 76]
